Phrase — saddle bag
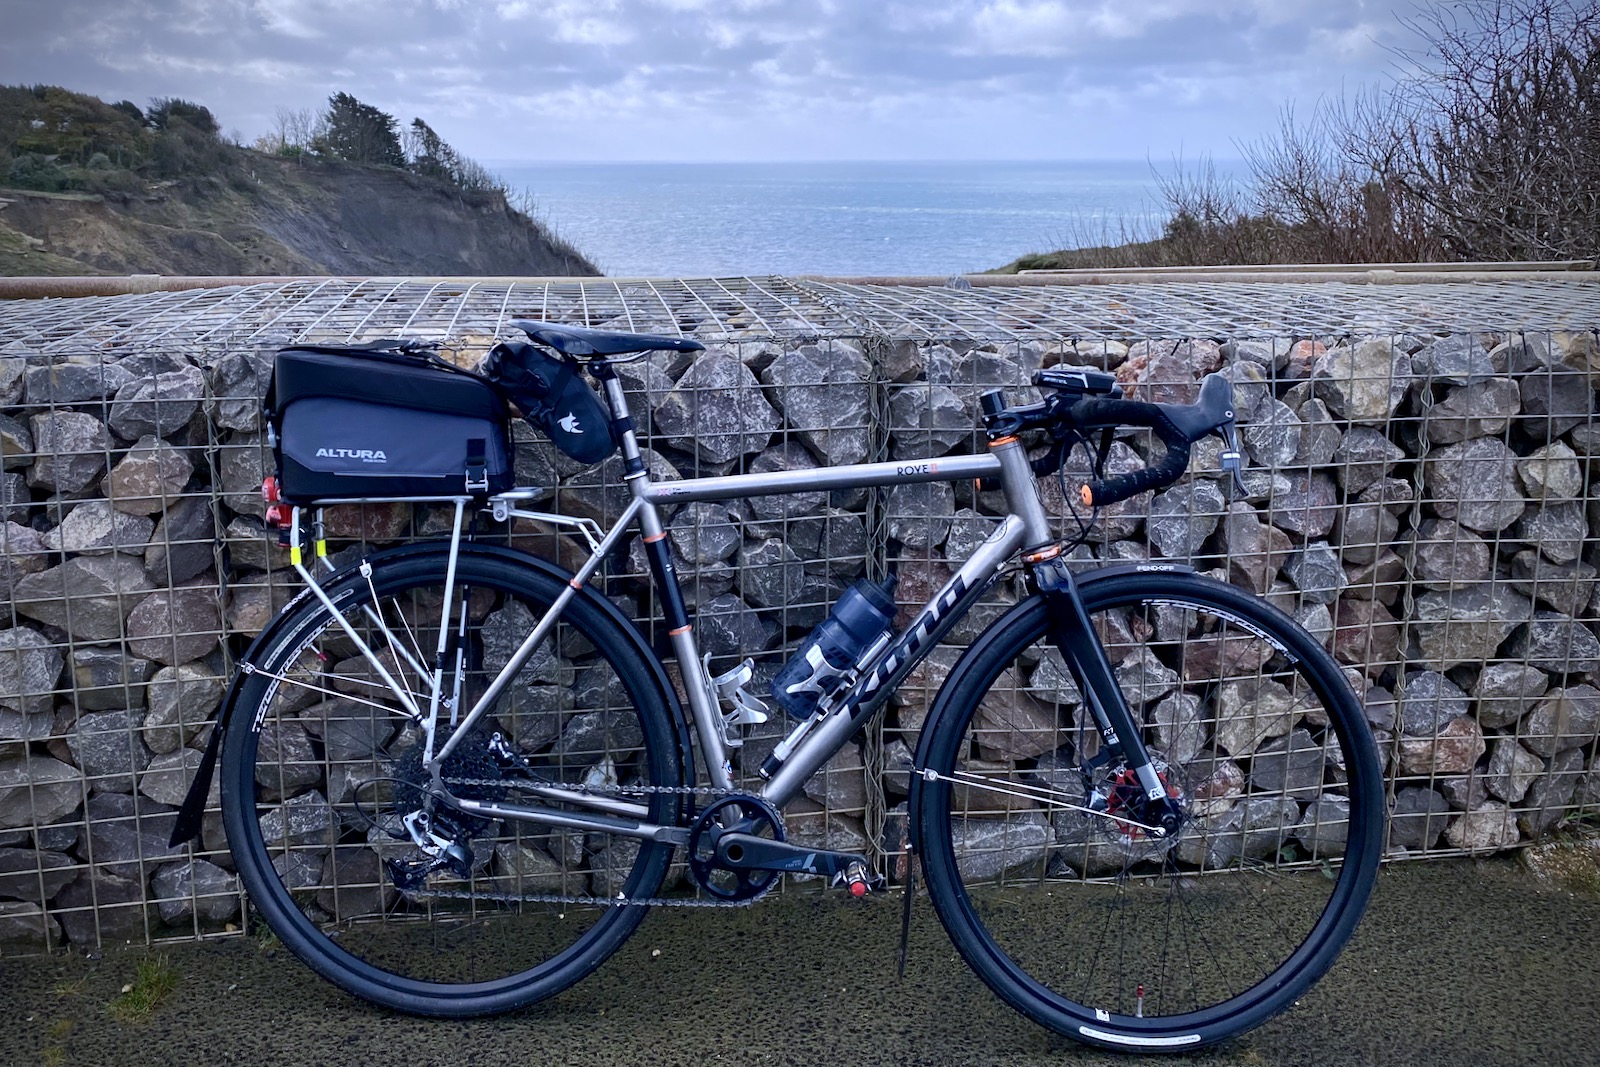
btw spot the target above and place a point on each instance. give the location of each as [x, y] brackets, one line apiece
[553, 398]
[377, 421]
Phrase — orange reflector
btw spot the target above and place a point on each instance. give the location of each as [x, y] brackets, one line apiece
[1086, 495]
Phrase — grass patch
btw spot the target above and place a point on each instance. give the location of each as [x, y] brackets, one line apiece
[152, 984]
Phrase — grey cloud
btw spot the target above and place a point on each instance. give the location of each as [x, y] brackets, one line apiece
[685, 78]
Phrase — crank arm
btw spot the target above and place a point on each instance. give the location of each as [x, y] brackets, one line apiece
[749, 852]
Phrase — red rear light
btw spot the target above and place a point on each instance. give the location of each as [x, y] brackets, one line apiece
[269, 490]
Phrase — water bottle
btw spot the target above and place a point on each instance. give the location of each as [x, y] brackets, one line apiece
[863, 614]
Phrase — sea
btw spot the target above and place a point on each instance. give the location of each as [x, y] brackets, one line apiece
[839, 219]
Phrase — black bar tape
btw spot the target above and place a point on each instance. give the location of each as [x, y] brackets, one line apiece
[1101, 412]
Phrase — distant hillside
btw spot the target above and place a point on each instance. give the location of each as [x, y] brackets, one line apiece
[91, 188]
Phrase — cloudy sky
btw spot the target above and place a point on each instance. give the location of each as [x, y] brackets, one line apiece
[732, 79]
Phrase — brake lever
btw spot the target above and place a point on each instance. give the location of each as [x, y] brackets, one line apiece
[1107, 436]
[1231, 460]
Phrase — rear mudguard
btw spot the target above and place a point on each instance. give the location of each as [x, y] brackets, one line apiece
[190, 814]
[1035, 604]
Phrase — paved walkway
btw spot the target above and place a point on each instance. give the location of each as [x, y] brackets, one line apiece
[1458, 963]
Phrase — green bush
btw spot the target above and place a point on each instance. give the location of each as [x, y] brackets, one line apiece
[33, 171]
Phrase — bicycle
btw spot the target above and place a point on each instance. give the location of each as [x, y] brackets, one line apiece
[454, 776]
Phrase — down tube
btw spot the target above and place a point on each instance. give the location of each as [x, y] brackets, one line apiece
[903, 653]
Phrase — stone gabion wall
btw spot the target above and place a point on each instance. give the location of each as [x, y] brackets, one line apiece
[1421, 503]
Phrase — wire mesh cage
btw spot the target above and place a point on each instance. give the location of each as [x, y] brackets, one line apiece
[1418, 497]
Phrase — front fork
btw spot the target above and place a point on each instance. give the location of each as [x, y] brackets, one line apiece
[1073, 634]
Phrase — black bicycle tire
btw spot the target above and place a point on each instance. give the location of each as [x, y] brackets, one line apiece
[324, 955]
[970, 680]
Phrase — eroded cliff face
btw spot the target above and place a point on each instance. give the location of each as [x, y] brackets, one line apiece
[276, 216]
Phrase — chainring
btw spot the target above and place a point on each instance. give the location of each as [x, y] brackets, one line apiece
[739, 813]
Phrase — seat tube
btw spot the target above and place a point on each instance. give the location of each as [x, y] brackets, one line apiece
[680, 631]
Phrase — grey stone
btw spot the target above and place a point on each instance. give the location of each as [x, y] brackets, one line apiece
[1363, 456]
[1417, 820]
[73, 381]
[1051, 680]
[103, 908]
[1546, 801]
[182, 699]
[928, 420]
[1255, 550]
[195, 888]
[1183, 517]
[1272, 437]
[1482, 409]
[1251, 386]
[726, 626]
[174, 626]
[1562, 587]
[125, 830]
[1521, 353]
[1505, 691]
[1255, 828]
[1116, 522]
[968, 530]
[592, 735]
[37, 791]
[1558, 644]
[1179, 727]
[33, 874]
[238, 382]
[307, 819]
[13, 371]
[88, 596]
[1165, 372]
[1465, 625]
[770, 574]
[1512, 769]
[1565, 398]
[822, 392]
[1307, 505]
[1365, 531]
[1428, 702]
[1557, 529]
[1292, 765]
[1251, 711]
[150, 477]
[771, 514]
[16, 443]
[15, 500]
[93, 527]
[1475, 483]
[107, 748]
[717, 411]
[1364, 382]
[245, 462]
[1366, 635]
[1466, 792]
[105, 679]
[73, 451]
[25, 923]
[1142, 677]
[1320, 439]
[166, 778]
[1489, 828]
[1457, 359]
[987, 848]
[151, 362]
[1552, 473]
[1012, 724]
[29, 668]
[919, 513]
[1315, 571]
[1324, 826]
[1447, 555]
[840, 785]
[704, 532]
[358, 885]
[1565, 718]
[181, 547]
[159, 405]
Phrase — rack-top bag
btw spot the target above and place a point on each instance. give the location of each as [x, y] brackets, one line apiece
[376, 421]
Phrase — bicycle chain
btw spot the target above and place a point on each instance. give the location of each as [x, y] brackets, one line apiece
[619, 901]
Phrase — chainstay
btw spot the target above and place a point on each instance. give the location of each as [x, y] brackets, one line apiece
[618, 901]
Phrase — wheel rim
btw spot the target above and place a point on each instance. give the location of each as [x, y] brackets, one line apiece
[325, 768]
[1070, 915]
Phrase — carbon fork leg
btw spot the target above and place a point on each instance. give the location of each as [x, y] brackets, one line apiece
[1073, 634]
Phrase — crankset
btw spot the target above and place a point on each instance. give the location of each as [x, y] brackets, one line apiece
[737, 850]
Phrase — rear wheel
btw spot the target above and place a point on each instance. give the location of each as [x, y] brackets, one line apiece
[322, 766]
[1082, 919]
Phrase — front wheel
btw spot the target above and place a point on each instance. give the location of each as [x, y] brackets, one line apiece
[321, 767]
[1062, 900]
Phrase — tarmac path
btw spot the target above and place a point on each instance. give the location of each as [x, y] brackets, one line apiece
[1470, 964]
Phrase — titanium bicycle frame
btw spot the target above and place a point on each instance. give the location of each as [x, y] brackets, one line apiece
[882, 666]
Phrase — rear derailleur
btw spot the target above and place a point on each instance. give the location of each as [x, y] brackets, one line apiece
[439, 852]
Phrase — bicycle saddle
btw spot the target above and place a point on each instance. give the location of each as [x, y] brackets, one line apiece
[582, 341]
